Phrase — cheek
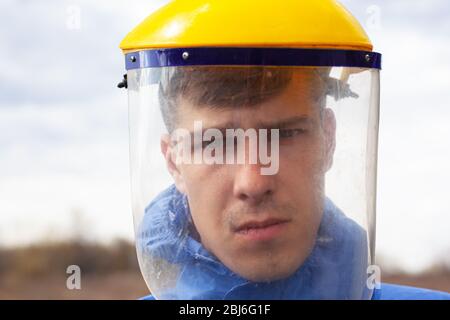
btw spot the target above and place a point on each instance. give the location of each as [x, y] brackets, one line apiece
[302, 173]
[207, 190]
[208, 182]
[303, 159]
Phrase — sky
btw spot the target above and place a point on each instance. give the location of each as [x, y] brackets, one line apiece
[64, 124]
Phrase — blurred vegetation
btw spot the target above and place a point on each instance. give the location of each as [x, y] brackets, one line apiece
[39, 271]
[112, 272]
[53, 258]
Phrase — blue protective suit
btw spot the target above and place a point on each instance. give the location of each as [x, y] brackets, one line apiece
[332, 270]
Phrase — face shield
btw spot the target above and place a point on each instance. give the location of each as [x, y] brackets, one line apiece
[253, 171]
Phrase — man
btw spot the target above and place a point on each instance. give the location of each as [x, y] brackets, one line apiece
[271, 220]
[271, 129]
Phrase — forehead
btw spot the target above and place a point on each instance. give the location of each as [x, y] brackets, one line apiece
[300, 99]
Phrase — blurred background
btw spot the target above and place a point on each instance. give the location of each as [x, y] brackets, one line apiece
[64, 175]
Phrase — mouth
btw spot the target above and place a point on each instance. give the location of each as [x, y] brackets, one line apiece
[261, 230]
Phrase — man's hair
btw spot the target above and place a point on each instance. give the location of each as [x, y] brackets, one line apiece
[229, 87]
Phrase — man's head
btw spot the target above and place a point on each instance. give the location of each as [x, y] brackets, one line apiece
[262, 227]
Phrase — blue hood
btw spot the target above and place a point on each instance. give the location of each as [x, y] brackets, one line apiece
[335, 269]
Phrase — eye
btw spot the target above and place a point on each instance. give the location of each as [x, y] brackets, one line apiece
[206, 143]
[290, 133]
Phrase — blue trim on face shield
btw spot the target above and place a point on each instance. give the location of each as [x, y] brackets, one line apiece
[252, 56]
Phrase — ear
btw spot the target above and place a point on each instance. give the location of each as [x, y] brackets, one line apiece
[329, 127]
[170, 157]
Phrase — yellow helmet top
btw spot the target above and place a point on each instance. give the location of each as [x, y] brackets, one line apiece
[249, 23]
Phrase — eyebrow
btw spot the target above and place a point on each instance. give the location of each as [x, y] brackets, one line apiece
[290, 122]
[279, 124]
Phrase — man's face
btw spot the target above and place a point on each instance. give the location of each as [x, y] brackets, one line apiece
[262, 227]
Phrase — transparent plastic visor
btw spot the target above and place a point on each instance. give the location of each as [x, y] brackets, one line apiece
[254, 182]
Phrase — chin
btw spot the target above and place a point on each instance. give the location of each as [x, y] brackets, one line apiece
[276, 273]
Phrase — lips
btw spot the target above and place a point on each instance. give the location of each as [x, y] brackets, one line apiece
[259, 224]
[255, 232]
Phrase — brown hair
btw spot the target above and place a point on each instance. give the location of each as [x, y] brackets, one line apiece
[222, 87]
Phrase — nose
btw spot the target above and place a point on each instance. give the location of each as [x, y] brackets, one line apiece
[250, 185]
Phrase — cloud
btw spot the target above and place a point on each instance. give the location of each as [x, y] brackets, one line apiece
[63, 123]
[66, 51]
